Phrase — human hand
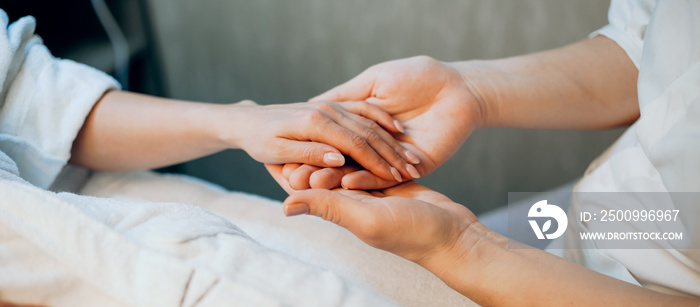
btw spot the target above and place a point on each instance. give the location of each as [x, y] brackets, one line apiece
[438, 109]
[408, 220]
[318, 134]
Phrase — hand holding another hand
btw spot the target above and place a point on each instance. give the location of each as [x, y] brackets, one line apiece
[317, 134]
[437, 107]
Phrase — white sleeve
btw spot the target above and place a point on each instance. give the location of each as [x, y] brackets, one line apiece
[628, 21]
[43, 101]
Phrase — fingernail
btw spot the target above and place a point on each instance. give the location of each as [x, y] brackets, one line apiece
[296, 209]
[396, 174]
[399, 126]
[333, 159]
[411, 157]
[413, 171]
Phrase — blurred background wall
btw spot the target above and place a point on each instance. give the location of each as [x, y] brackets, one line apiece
[278, 51]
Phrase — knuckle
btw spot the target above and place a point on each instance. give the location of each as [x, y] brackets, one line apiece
[332, 214]
[372, 136]
[327, 107]
[308, 153]
[279, 149]
[358, 141]
[372, 125]
[396, 156]
[316, 116]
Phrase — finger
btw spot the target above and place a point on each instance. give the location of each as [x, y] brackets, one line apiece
[331, 206]
[330, 178]
[313, 153]
[381, 142]
[358, 88]
[374, 113]
[405, 153]
[365, 180]
[299, 178]
[353, 145]
[288, 168]
[276, 171]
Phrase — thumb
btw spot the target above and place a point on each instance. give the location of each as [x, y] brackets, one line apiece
[358, 88]
[312, 153]
[331, 206]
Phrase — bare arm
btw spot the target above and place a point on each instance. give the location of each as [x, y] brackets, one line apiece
[132, 131]
[591, 84]
[482, 267]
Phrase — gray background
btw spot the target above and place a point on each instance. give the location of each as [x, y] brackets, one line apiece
[276, 51]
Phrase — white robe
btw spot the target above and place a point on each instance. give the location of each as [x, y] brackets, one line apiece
[658, 153]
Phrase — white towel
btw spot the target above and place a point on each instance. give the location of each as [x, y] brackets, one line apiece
[307, 238]
[70, 250]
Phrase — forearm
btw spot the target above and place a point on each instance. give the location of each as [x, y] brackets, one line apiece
[591, 84]
[482, 266]
[127, 131]
[131, 131]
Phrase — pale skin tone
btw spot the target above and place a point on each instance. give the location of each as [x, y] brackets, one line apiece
[132, 131]
[587, 85]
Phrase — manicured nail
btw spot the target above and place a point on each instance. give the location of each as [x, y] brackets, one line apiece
[411, 157]
[413, 171]
[396, 174]
[399, 126]
[333, 159]
[296, 209]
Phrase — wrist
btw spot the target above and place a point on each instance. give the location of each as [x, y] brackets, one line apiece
[230, 123]
[461, 262]
[480, 78]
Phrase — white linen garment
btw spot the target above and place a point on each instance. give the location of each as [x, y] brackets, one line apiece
[144, 239]
[658, 153]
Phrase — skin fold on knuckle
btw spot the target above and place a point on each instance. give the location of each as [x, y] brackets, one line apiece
[359, 142]
[329, 108]
[310, 154]
[395, 156]
[331, 212]
[372, 136]
[316, 117]
[372, 125]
